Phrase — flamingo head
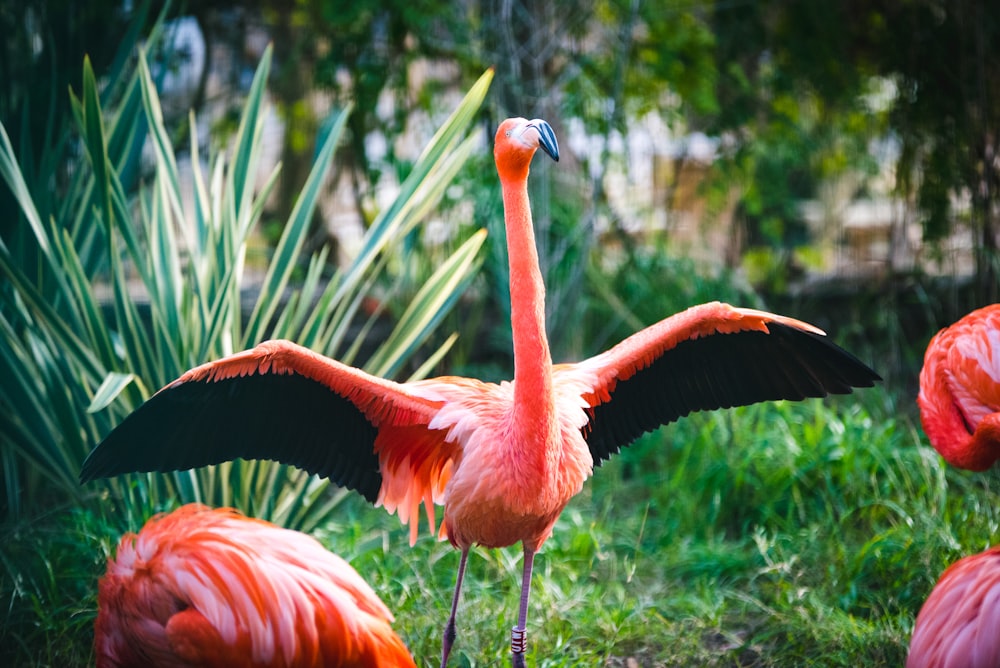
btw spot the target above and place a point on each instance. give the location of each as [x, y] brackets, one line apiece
[517, 139]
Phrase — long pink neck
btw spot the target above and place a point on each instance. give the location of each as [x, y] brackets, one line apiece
[533, 397]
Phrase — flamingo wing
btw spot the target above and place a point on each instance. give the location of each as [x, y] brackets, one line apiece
[707, 357]
[283, 402]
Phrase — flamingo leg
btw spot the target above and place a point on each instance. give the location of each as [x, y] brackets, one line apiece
[449, 629]
[518, 633]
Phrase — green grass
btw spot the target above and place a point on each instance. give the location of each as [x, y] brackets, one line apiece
[780, 534]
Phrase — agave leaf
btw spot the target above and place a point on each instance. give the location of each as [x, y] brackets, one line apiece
[167, 284]
[431, 302]
[248, 138]
[76, 282]
[61, 454]
[138, 356]
[97, 148]
[343, 328]
[387, 223]
[11, 172]
[109, 390]
[314, 508]
[22, 389]
[294, 235]
[299, 311]
[39, 310]
[204, 232]
[432, 360]
[63, 344]
[166, 163]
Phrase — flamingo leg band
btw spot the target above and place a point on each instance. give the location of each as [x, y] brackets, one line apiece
[517, 640]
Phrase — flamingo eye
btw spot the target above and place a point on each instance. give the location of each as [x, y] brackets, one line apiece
[507, 133]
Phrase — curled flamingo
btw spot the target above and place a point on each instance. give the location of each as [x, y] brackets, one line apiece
[959, 623]
[203, 587]
[503, 459]
[959, 396]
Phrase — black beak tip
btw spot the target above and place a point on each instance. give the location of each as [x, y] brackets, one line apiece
[547, 139]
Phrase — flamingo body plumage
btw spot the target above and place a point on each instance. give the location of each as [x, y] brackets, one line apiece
[503, 459]
[959, 624]
[959, 396]
[203, 587]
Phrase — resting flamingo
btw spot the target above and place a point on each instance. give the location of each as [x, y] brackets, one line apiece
[959, 623]
[503, 459]
[203, 587]
[959, 396]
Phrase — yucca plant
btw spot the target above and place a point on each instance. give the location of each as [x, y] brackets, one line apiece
[74, 365]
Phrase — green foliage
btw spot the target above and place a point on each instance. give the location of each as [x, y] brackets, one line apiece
[362, 52]
[45, 41]
[824, 59]
[176, 295]
[48, 581]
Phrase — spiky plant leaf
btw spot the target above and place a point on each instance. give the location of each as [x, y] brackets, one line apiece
[143, 284]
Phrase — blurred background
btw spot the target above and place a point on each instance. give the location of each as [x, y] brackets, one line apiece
[828, 153]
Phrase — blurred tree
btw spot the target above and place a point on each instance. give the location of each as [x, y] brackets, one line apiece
[40, 54]
[792, 110]
[945, 61]
[361, 52]
[811, 68]
[786, 86]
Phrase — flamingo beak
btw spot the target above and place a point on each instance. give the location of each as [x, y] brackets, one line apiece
[546, 137]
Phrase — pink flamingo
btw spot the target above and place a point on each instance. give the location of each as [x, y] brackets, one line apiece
[959, 623]
[959, 396]
[503, 459]
[202, 587]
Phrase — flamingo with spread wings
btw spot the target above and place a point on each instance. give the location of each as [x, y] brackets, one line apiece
[503, 459]
[202, 587]
[959, 396]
